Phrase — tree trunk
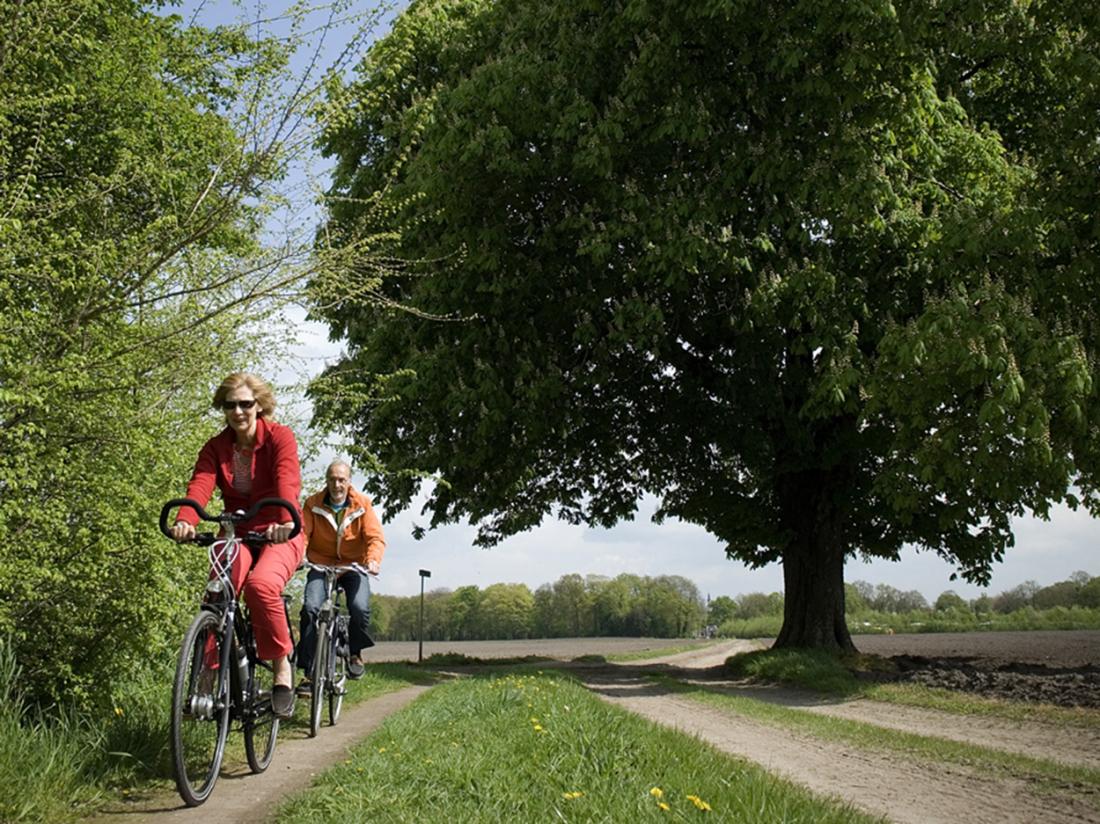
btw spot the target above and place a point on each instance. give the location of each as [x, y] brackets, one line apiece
[813, 604]
[813, 564]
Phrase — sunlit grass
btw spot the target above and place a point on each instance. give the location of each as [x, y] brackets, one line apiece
[532, 746]
[863, 735]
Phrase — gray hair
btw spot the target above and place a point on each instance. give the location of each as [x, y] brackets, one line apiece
[338, 462]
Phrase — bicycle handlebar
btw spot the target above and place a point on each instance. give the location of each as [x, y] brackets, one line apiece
[307, 564]
[229, 517]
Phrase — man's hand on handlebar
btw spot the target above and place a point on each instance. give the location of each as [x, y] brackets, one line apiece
[278, 533]
[183, 531]
[373, 567]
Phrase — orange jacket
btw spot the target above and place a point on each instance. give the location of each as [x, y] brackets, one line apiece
[357, 540]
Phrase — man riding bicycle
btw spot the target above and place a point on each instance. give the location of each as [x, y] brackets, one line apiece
[341, 527]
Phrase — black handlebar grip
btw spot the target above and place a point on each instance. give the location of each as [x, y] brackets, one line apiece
[180, 502]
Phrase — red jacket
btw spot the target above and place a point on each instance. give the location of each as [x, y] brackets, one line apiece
[275, 474]
[358, 539]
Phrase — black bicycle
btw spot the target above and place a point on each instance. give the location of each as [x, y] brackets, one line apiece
[332, 653]
[219, 678]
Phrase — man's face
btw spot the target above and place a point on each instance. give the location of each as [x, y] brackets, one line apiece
[338, 480]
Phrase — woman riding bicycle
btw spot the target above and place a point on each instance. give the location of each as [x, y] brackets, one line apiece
[254, 458]
[341, 527]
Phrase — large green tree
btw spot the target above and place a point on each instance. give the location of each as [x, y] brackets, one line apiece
[820, 276]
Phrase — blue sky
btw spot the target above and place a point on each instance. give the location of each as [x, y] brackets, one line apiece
[1046, 552]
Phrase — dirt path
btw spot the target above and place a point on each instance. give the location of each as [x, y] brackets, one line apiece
[907, 791]
[902, 789]
[243, 798]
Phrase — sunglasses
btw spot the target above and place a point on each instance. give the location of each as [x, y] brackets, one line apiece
[229, 406]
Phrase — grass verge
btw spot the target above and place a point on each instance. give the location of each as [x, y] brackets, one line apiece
[536, 746]
[67, 766]
[822, 672]
[864, 736]
[659, 652]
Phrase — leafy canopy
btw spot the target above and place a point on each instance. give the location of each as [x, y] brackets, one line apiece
[819, 276]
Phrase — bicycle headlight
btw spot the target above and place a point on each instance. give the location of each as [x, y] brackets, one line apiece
[215, 587]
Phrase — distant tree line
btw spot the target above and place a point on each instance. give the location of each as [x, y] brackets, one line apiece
[667, 606]
[1073, 603]
[671, 607]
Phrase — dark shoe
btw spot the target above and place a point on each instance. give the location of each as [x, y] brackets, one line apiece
[305, 688]
[355, 668]
[282, 701]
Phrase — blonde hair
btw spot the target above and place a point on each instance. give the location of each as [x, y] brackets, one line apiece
[260, 390]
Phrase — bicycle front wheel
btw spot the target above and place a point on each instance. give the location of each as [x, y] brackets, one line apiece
[338, 678]
[200, 710]
[261, 727]
[319, 676]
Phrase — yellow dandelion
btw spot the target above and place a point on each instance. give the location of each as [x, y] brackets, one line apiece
[538, 727]
[656, 792]
[572, 795]
[534, 720]
[663, 806]
[699, 803]
[380, 749]
[118, 711]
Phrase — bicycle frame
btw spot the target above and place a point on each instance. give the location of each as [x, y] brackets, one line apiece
[323, 672]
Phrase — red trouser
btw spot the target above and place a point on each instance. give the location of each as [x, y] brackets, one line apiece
[263, 592]
[263, 574]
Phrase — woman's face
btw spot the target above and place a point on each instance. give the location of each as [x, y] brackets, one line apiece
[241, 420]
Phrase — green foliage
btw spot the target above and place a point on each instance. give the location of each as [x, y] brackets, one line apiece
[628, 605]
[950, 600]
[533, 747]
[137, 161]
[821, 278]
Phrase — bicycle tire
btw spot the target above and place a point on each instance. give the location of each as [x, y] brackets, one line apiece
[261, 726]
[200, 720]
[338, 678]
[319, 676]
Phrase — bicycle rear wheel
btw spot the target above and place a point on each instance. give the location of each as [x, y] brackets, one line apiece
[261, 727]
[338, 679]
[200, 710]
[319, 676]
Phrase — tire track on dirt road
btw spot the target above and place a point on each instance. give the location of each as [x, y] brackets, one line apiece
[904, 790]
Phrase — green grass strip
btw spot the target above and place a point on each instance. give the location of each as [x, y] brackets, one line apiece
[531, 746]
[961, 703]
[660, 652]
[825, 672]
[863, 735]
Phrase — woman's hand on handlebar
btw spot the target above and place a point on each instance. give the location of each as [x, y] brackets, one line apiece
[183, 531]
[278, 533]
